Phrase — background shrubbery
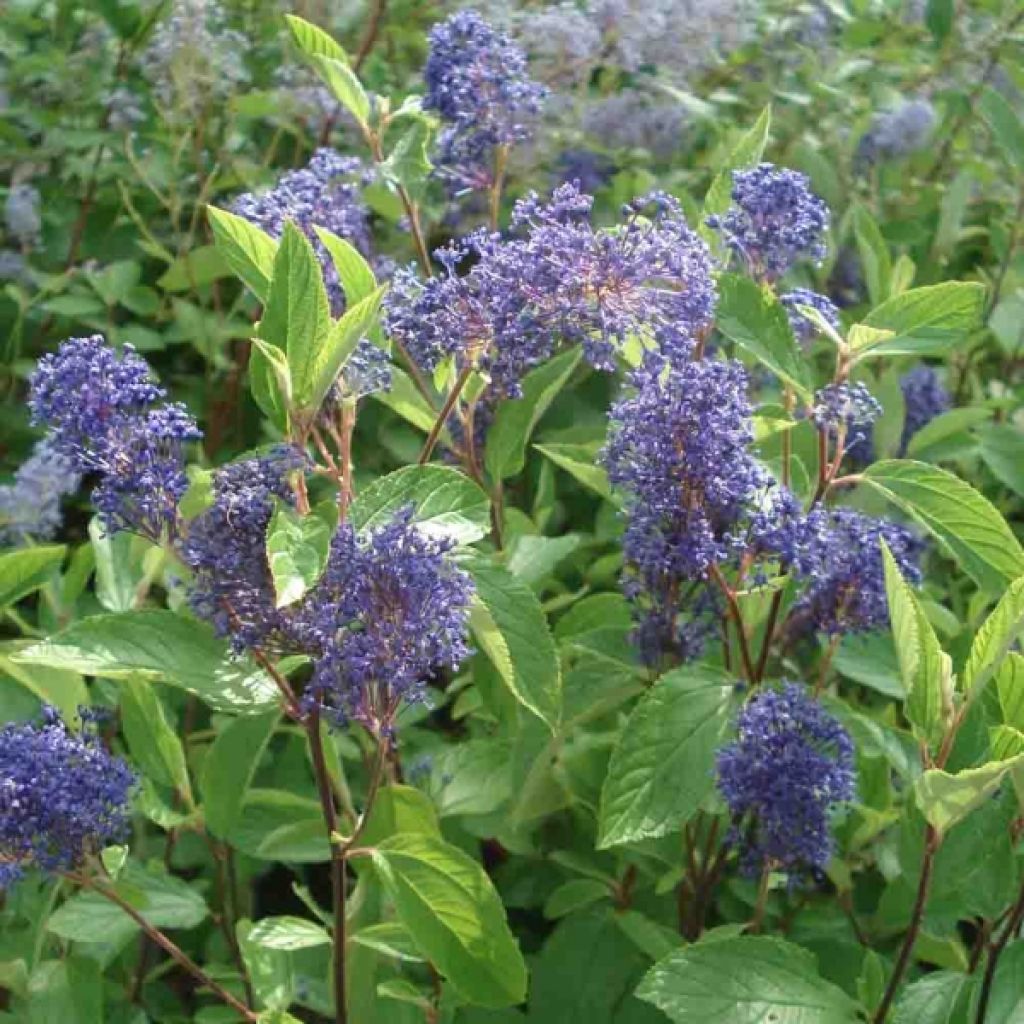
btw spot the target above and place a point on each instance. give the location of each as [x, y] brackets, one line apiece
[527, 524]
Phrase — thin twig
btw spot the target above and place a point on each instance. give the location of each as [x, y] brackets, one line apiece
[369, 39]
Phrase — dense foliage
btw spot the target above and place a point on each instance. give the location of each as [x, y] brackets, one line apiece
[512, 514]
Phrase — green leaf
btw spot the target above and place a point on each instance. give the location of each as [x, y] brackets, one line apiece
[574, 894]
[288, 933]
[159, 644]
[247, 250]
[229, 767]
[754, 319]
[580, 461]
[662, 767]
[511, 628]
[515, 420]
[745, 980]
[197, 267]
[945, 799]
[119, 569]
[874, 255]
[1006, 126]
[297, 316]
[359, 320]
[746, 153]
[1001, 446]
[966, 525]
[939, 16]
[297, 549]
[389, 938]
[270, 381]
[163, 900]
[153, 743]
[404, 399]
[1010, 688]
[408, 164]
[448, 905]
[934, 999]
[925, 668]
[400, 809]
[270, 970]
[446, 504]
[312, 40]
[356, 275]
[925, 320]
[26, 570]
[66, 691]
[998, 633]
[345, 85]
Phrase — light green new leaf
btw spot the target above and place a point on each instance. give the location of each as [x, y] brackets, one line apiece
[511, 628]
[663, 766]
[945, 799]
[159, 644]
[404, 398]
[516, 418]
[297, 549]
[312, 40]
[247, 250]
[964, 522]
[26, 570]
[229, 767]
[345, 85]
[356, 275]
[745, 980]
[297, 316]
[153, 743]
[270, 970]
[746, 153]
[445, 503]
[754, 318]
[1010, 687]
[925, 320]
[288, 933]
[408, 164]
[358, 321]
[448, 905]
[925, 668]
[993, 640]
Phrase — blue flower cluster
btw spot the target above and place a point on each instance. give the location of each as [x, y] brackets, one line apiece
[849, 410]
[477, 81]
[924, 398]
[62, 796]
[30, 506]
[100, 408]
[22, 218]
[559, 279]
[391, 610]
[325, 193]
[193, 58]
[841, 563]
[898, 132]
[695, 495]
[226, 549]
[774, 220]
[804, 329]
[790, 765]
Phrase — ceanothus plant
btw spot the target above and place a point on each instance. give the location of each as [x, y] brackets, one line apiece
[562, 598]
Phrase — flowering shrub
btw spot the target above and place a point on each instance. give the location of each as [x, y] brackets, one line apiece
[516, 517]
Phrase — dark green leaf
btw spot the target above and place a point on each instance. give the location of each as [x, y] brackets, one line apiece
[447, 903]
[745, 980]
[229, 767]
[662, 768]
[1006, 125]
[754, 319]
[511, 628]
[515, 420]
[159, 644]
